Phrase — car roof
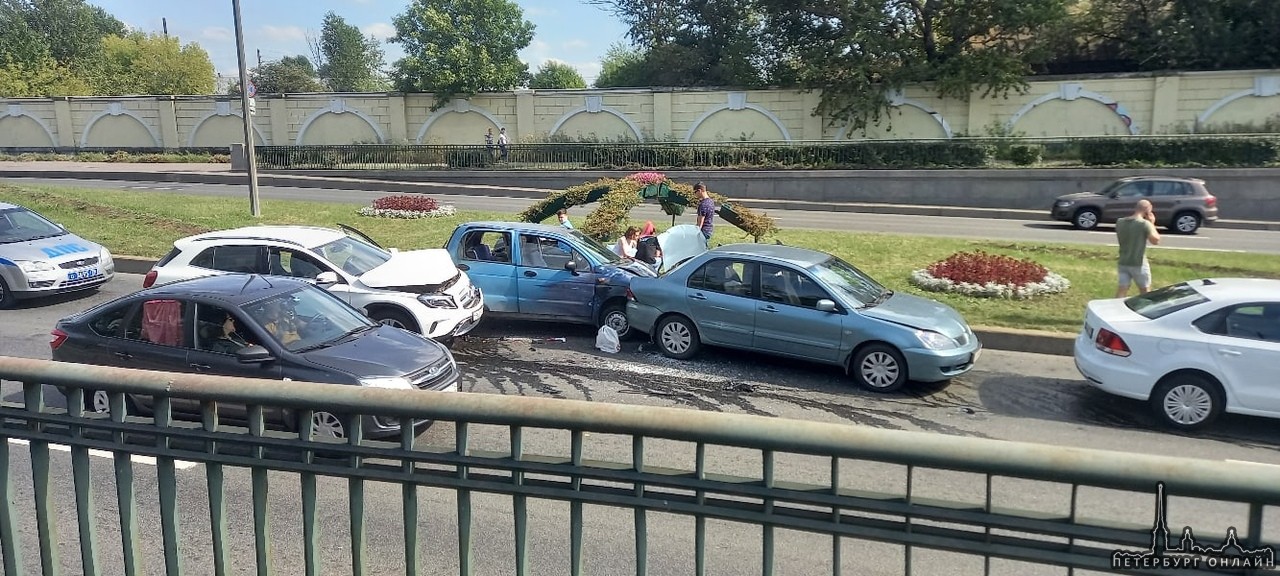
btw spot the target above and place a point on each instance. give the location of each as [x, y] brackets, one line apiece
[308, 236]
[232, 289]
[518, 226]
[1238, 289]
[792, 254]
[1168, 178]
[7, 206]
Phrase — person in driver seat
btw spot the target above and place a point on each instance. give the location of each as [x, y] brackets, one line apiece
[282, 326]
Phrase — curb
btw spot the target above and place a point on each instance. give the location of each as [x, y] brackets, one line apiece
[294, 181]
[1031, 341]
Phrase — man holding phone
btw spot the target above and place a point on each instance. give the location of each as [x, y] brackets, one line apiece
[1133, 233]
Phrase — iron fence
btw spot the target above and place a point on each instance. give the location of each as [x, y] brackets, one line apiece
[907, 519]
[1200, 150]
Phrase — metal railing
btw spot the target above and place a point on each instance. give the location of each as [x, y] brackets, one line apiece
[1189, 150]
[470, 469]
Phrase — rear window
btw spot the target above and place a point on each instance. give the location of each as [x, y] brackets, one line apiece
[1165, 301]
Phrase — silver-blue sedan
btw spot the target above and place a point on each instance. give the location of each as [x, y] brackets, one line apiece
[802, 304]
[41, 258]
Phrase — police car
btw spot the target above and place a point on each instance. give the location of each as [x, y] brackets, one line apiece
[40, 258]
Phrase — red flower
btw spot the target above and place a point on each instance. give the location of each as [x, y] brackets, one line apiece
[407, 202]
[983, 268]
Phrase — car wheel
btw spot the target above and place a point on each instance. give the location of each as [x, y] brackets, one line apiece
[677, 337]
[7, 297]
[99, 402]
[327, 425]
[1086, 218]
[615, 316]
[1186, 223]
[394, 318]
[879, 368]
[1187, 401]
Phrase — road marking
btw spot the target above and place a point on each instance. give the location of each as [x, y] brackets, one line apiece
[136, 458]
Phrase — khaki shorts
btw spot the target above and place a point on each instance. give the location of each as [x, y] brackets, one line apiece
[1140, 275]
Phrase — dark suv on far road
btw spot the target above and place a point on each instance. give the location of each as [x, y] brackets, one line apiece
[1181, 204]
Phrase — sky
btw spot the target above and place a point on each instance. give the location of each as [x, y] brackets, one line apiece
[569, 31]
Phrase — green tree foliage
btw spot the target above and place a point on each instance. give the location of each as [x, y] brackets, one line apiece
[288, 75]
[45, 78]
[461, 47]
[858, 51]
[346, 59]
[69, 31]
[622, 67]
[556, 75]
[152, 64]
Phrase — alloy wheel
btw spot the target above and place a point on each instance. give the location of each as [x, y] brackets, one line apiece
[392, 322]
[327, 425]
[1187, 223]
[1188, 404]
[1087, 220]
[879, 369]
[100, 402]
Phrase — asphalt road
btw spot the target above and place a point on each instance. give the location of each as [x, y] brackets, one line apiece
[1266, 242]
[1010, 396]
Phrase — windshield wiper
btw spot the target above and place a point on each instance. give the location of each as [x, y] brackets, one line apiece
[338, 339]
[880, 299]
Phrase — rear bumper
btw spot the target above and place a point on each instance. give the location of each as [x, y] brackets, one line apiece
[1111, 374]
[642, 317]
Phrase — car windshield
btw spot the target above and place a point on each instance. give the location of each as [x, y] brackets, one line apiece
[353, 255]
[846, 278]
[599, 250]
[307, 318]
[1165, 301]
[22, 225]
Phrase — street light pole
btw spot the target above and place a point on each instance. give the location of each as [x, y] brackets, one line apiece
[248, 119]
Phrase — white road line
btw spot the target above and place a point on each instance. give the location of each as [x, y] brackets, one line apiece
[136, 458]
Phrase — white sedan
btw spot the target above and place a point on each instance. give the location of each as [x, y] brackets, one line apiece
[1193, 350]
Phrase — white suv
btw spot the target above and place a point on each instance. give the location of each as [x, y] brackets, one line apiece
[417, 290]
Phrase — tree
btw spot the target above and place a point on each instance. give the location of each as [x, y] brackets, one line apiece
[288, 75]
[622, 67]
[461, 47]
[45, 78]
[556, 75]
[859, 51]
[346, 59]
[70, 31]
[152, 64]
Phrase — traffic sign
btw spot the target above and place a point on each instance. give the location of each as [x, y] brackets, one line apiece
[252, 90]
[253, 107]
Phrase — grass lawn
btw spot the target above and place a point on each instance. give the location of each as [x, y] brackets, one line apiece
[146, 224]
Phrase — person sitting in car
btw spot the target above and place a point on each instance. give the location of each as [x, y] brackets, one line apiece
[230, 340]
[282, 326]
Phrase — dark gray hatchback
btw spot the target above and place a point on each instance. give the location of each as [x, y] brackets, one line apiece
[1182, 205]
[277, 330]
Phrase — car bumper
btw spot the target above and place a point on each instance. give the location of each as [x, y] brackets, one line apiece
[924, 365]
[383, 426]
[39, 286]
[1111, 374]
[642, 317]
[1063, 213]
[456, 323]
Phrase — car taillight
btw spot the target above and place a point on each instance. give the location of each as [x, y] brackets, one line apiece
[56, 338]
[631, 295]
[1111, 343]
[1210, 201]
[150, 279]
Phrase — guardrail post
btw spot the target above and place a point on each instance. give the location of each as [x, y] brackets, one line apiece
[355, 499]
[310, 525]
[8, 531]
[767, 530]
[82, 477]
[836, 567]
[700, 521]
[642, 525]
[519, 504]
[167, 478]
[46, 515]
[409, 494]
[575, 507]
[123, 460]
[258, 474]
[217, 492]
[461, 441]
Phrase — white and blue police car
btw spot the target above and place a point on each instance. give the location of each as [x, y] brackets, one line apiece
[40, 258]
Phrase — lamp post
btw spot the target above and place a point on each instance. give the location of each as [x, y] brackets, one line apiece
[254, 209]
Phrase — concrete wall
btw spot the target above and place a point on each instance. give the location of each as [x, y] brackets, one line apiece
[1111, 105]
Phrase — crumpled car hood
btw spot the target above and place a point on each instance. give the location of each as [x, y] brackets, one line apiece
[412, 268]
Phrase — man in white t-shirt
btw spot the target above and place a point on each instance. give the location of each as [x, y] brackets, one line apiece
[502, 143]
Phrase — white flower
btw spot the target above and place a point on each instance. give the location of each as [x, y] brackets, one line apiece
[445, 210]
[1051, 284]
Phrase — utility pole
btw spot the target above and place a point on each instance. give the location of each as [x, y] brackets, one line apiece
[164, 23]
[248, 119]
[259, 58]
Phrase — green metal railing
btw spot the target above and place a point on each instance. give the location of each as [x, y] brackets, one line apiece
[907, 519]
[1181, 150]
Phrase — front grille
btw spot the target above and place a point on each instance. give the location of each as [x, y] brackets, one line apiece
[81, 263]
[434, 377]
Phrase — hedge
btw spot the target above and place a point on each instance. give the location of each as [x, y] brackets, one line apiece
[1222, 152]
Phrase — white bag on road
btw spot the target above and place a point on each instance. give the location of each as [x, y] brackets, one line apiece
[607, 340]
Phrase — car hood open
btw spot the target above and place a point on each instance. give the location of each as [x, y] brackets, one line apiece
[412, 268]
[921, 313]
[379, 353]
[681, 242]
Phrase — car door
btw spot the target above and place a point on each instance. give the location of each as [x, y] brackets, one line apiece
[214, 347]
[1245, 344]
[720, 296]
[485, 255]
[1166, 196]
[788, 321]
[157, 336]
[1124, 199]
[545, 284]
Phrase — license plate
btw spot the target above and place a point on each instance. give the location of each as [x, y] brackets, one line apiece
[1088, 331]
[82, 274]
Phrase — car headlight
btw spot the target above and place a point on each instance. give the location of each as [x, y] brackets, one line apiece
[34, 266]
[437, 300]
[395, 383]
[1065, 203]
[935, 341]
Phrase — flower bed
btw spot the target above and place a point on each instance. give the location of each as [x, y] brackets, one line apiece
[989, 276]
[406, 206]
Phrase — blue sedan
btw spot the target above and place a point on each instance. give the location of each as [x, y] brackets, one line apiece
[802, 304]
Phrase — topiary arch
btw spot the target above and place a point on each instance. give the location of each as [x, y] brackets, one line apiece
[618, 196]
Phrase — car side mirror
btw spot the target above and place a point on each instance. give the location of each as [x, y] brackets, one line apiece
[571, 266]
[253, 355]
[329, 277]
[825, 305]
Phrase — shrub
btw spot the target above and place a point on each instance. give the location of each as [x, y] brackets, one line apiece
[990, 275]
[1023, 155]
[406, 202]
[1239, 152]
